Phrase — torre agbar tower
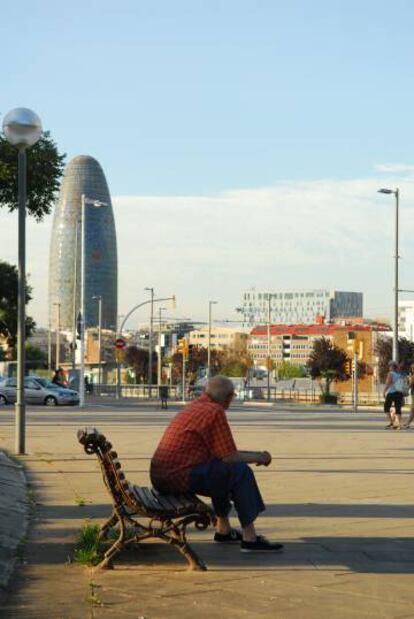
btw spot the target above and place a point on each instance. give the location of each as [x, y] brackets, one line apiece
[83, 176]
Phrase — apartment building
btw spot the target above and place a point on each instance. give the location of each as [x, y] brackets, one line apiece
[294, 344]
[221, 338]
[299, 306]
[406, 319]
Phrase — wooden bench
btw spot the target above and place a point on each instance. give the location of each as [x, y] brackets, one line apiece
[168, 514]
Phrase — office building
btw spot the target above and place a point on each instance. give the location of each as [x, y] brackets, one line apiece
[83, 177]
[299, 306]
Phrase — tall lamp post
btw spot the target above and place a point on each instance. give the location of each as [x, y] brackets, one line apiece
[210, 304]
[22, 129]
[97, 204]
[99, 299]
[396, 193]
[151, 290]
[57, 354]
[159, 364]
[125, 318]
[269, 362]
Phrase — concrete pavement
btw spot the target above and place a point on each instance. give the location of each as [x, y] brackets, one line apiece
[14, 515]
[339, 496]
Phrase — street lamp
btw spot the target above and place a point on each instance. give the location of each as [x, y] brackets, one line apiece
[22, 129]
[269, 361]
[396, 193]
[85, 201]
[57, 354]
[99, 299]
[127, 316]
[210, 304]
[151, 290]
[159, 365]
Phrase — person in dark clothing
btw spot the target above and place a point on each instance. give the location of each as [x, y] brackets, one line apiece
[164, 396]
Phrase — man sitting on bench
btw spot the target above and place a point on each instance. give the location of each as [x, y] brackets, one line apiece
[197, 454]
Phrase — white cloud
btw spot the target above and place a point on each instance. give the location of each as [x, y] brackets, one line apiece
[395, 168]
[323, 233]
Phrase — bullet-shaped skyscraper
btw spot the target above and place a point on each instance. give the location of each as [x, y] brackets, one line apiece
[83, 177]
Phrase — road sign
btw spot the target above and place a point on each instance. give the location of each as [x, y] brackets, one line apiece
[120, 342]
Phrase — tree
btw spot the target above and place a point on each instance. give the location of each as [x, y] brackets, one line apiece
[44, 170]
[383, 349]
[8, 307]
[138, 359]
[327, 361]
[287, 370]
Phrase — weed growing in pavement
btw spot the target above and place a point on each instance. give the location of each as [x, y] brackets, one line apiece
[94, 599]
[80, 501]
[87, 551]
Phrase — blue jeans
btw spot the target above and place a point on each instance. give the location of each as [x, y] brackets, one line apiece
[228, 482]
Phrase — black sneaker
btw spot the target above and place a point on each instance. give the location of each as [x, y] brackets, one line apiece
[232, 536]
[261, 545]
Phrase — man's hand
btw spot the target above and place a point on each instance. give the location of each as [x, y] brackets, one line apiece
[264, 459]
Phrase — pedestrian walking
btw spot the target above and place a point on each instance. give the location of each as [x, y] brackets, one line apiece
[394, 391]
[164, 396]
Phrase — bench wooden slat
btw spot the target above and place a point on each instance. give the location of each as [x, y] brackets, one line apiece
[147, 501]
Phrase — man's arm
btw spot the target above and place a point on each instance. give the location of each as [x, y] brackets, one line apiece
[249, 457]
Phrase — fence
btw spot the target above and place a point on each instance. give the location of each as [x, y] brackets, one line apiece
[310, 396]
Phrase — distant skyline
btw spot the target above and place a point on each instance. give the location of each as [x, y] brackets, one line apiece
[243, 142]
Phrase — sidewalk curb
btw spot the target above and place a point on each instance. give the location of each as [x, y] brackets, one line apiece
[14, 514]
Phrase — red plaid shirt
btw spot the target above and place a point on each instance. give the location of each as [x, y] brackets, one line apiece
[199, 433]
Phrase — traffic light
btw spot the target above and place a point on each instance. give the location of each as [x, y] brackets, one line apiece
[182, 347]
[348, 367]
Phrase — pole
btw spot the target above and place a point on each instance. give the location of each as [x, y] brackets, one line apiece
[150, 343]
[183, 376]
[20, 409]
[99, 341]
[58, 336]
[82, 304]
[159, 348]
[395, 333]
[75, 286]
[49, 346]
[118, 364]
[210, 303]
[355, 383]
[268, 346]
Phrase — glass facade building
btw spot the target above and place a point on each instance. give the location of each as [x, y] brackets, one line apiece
[83, 176]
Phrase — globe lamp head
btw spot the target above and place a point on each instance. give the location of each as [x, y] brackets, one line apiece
[22, 127]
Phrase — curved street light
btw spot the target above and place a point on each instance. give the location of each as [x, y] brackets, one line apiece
[22, 129]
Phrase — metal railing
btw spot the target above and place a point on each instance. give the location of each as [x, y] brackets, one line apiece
[305, 396]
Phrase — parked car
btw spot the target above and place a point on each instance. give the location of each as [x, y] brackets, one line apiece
[38, 391]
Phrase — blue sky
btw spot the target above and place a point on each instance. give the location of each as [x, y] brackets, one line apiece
[203, 96]
[200, 98]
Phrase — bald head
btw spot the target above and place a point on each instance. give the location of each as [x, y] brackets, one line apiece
[220, 389]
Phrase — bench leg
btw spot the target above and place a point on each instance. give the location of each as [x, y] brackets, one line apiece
[194, 561]
[179, 541]
[117, 546]
[103, 532]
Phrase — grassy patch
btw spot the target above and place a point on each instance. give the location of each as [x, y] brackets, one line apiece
[87, 550]
[80, 501]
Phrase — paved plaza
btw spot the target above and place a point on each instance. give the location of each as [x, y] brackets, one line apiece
[338, 494]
